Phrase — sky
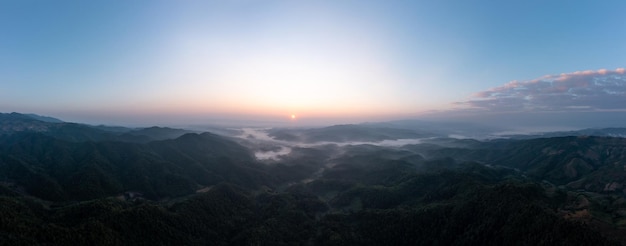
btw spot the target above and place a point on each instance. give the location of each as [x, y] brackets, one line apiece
[340, 61]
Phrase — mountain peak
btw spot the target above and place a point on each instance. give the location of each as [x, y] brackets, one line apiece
[16, 122]
[20, 116]
[44, 118]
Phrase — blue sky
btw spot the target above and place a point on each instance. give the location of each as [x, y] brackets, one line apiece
[176, 62]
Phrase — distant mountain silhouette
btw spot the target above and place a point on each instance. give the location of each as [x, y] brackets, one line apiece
[346, 133]
[44, 118]
[156, 133]
[16, 122]
[597, 132]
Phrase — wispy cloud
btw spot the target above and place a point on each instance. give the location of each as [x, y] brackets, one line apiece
[599, 90]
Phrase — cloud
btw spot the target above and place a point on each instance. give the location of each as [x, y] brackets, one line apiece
[600, 90]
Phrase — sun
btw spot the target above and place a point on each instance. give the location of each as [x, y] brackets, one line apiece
[293, 116]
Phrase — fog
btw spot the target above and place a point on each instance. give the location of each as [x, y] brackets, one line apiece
[272, 155]
[266, 147]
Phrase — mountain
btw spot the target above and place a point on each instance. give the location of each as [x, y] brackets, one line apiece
[44, 118]
[155, 133]
[597, 132]
[58, 170]
[442, 128]
[466, 205]
[346, 133]
[15, 123]
[592, 163]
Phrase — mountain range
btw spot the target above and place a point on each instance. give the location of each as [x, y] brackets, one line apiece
[67, 183]
[15, 122]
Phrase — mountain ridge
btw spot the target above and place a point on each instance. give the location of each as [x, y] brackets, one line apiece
[15, 122]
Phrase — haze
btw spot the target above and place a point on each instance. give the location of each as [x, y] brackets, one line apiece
[191, 62]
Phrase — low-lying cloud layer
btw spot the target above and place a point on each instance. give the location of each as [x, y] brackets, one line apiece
[260, 136]
[582, 91]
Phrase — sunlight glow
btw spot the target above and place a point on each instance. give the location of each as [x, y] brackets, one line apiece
[312, 72]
